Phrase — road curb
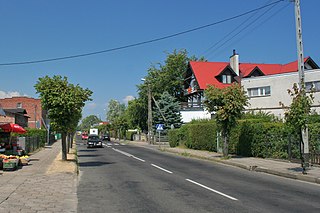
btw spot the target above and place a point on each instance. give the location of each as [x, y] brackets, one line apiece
[253, 168]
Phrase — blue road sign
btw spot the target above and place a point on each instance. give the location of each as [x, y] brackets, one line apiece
[159, 127]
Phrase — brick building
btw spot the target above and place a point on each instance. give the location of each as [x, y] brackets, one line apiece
[36, 115]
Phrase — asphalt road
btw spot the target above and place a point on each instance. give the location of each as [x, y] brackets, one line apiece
[124, 178]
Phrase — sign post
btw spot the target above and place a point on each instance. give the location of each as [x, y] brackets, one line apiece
[159, 128]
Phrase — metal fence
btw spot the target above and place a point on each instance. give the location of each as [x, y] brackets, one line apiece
[291, 145]
[33, 143]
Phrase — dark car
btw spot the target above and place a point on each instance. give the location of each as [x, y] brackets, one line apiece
[106, 137]
[94, 141]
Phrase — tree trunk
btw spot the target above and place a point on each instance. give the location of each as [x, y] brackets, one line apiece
[72, 137]
[68, 142]
[64, 145]
[225, 143]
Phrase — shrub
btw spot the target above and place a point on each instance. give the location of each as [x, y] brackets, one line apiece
[202, 136]
[173, 136]
[129, 135]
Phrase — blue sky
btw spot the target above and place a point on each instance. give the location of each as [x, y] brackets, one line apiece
[36, 30]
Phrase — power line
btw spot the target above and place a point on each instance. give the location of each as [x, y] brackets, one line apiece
[244, 28]
[232, 31]
[139, 43]
[265, 20]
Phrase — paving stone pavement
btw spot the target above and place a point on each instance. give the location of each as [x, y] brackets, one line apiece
[31, 189]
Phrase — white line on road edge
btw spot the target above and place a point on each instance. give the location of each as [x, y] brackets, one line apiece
[161, 168]
[215, 191]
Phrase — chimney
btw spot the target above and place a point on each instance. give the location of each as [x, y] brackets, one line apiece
[234, 62]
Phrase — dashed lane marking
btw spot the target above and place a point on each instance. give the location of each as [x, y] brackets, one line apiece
[210, 189]
[128, 154]
[158, 167]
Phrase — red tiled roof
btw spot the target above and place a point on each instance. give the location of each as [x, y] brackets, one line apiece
[206, 72]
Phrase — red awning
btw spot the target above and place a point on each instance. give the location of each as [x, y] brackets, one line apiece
[10, 127]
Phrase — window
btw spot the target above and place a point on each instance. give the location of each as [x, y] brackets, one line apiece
[19, 105]
[259, 91]
[226, 79]
[315, 85]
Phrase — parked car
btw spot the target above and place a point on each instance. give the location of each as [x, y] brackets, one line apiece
[84, 136]
[106, 137]
[94, 141]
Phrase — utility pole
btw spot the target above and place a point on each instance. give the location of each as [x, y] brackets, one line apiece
[299, 43]
[149, 114]
[150, 133]
[304, 144]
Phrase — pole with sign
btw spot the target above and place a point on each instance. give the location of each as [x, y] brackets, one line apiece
[159, 128]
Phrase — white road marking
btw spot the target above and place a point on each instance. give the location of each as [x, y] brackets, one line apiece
[138, 158]
[129, 155]
[122, 152]
[210, 189]
[161, 168]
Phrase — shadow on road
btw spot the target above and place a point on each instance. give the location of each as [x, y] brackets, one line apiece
[88, 156]
[87, 150]
[297, 169]
[94, 164]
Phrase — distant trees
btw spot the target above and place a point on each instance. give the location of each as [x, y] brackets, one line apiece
[64, 102]
[88, 122]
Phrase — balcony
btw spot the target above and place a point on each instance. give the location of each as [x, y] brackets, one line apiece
[191, 106]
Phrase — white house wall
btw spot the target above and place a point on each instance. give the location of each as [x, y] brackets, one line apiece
[188, 116]
[279, 85]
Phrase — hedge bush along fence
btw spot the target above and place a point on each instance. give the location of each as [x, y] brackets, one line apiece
[250, 138]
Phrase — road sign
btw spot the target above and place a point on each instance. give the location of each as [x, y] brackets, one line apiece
[159, 127]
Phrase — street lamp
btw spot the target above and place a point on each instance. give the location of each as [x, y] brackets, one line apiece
[149, 111]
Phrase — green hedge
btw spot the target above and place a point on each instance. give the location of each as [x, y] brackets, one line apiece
[196, 135]
[129, 135]
[252, 137]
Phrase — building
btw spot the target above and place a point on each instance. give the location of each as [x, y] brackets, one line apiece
[36, 115]
[266, 92]
[259, 80]
[16, 116]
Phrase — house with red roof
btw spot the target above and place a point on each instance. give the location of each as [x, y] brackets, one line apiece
[256, 79]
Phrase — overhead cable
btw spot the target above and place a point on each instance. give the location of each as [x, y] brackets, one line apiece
[139, 43]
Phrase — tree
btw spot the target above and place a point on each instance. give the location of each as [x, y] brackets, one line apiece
[64, 103]
[137, 114]
[169, 109]
[167, 77]
[88, 122]
[117, 117]
[228, 104]
[115, 110]
[297, 115]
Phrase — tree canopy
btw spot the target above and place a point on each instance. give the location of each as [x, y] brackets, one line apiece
[227, 104]
[89, 121]
[169, 108]
[64, 102]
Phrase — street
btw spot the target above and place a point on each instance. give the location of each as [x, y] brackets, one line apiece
[126, 178]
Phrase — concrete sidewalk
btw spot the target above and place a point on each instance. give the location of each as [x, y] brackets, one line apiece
[271, 166]
[39, 188]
